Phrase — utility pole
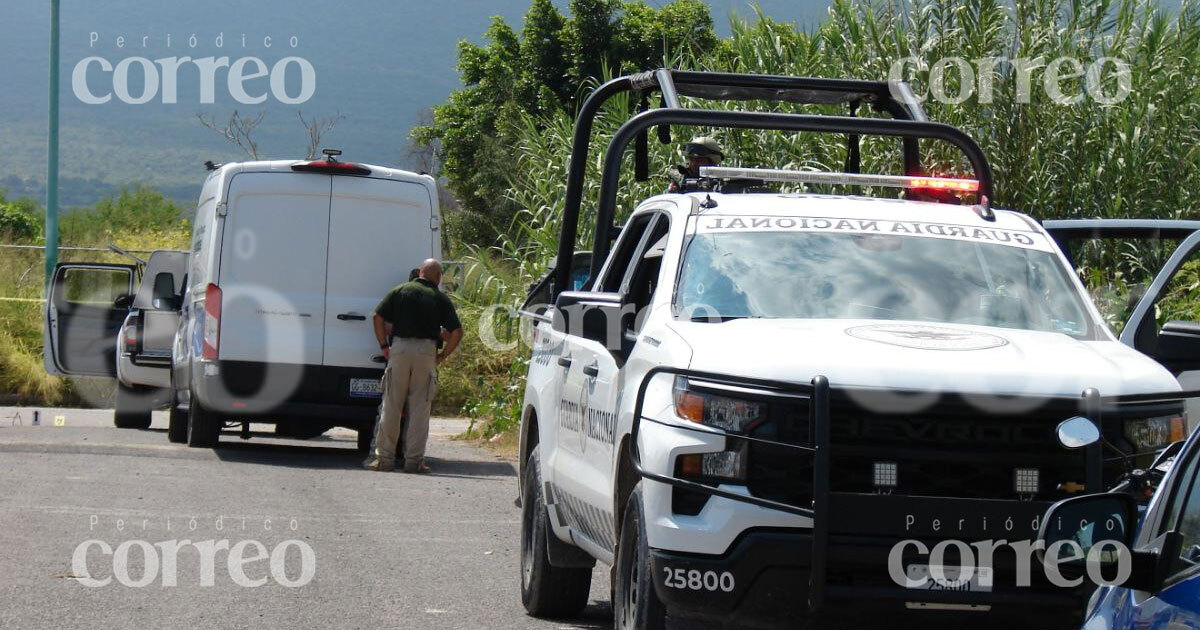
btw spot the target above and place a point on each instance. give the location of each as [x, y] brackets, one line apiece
[52, 154]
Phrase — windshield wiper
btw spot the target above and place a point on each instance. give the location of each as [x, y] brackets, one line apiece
[717, 319]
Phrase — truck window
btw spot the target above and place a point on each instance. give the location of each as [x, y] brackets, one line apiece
[93, 287]
[804, 275]
[643, 278]
[618, 262]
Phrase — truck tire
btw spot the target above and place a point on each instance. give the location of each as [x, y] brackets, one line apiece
[204, 426]
[133, 407]
[546, 590]
[635, 603]
[177, 424]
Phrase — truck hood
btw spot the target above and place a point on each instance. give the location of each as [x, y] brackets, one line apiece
[922, 356]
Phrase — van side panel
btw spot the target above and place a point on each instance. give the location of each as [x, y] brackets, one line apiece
[379, 230]
[272, 268]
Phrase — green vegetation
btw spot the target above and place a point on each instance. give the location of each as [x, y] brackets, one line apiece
[1134, 158]
[503, 143]
[541, 72]
[137, 218]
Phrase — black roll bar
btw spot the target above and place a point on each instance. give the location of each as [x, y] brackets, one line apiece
[894, 97]
[606, 208]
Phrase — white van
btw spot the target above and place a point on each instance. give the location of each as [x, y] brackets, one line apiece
[287, 262]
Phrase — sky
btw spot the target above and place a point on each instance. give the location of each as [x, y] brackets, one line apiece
[377, 63]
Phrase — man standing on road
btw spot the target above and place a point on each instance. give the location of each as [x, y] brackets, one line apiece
[417, 312]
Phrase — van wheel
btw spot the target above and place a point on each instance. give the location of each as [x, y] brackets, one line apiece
[133, 407]
[204, 426]
[635, 604]
[546, 590]
[177, 423]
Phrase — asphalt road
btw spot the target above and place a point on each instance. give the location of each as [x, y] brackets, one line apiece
[389, 550]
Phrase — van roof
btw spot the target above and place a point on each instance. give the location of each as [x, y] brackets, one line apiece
[275, 166]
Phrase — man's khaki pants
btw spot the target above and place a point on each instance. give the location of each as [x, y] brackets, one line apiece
[410, 377]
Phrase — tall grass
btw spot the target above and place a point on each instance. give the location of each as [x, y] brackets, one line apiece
[1139, 157]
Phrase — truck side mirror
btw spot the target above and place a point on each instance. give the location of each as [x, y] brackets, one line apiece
[1077, 432]
[1179, 340]
[1080, 534]
[123, 301]
[592, 315]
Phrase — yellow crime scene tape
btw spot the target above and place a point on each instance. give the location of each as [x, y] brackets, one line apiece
[13, 299]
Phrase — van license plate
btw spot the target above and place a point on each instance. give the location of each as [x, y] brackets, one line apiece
[365, 388]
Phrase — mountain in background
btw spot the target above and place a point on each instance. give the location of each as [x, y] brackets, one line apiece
[378, 63]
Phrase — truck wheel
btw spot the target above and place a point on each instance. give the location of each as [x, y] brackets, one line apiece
[204, 426]
[635, 604]
[177, 424]
[133, 406]
[546, 590]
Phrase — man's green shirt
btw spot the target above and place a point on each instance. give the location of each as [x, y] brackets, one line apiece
[418, 309]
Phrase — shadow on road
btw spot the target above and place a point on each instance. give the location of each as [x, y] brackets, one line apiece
[596, 615]
[313, 455]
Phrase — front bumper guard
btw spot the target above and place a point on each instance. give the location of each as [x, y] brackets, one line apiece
[817, 392]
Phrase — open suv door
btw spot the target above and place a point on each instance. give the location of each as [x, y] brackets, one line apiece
[1158, 263]
[84, 311]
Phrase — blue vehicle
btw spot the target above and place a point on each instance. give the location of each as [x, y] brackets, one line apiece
[1162, 590]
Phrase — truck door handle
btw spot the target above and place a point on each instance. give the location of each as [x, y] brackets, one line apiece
[379, 359]
[564, 361]
[592, 370]
[351, 316]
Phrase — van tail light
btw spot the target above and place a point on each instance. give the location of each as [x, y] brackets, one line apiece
[212, 321]
[131, 337]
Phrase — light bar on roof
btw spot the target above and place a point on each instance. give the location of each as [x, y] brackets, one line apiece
[854, 179]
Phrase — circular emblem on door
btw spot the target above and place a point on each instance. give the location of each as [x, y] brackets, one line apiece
[927, 337]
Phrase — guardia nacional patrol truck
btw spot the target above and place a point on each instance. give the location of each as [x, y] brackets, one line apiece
[760, 391]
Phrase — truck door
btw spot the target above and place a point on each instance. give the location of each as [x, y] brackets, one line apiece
[379, 230]
[159, 299]
[1165, 323]
[588, 406]
[87, 304]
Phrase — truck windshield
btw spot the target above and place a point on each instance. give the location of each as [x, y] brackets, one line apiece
[789, 274]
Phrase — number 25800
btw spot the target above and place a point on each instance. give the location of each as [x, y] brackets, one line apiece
[695, 580]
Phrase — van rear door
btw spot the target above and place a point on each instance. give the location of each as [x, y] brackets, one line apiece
[379, 230]
[272, 268]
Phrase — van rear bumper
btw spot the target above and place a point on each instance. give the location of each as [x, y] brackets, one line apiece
[283, 391]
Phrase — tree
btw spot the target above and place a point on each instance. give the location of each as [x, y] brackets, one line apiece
[317, 128]
[542, 71]
[543, 54]
[18, 220]
[590, 33]
[238, 130]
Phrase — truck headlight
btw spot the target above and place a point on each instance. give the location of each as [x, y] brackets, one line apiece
[720, 412]
[728, 465]
[1148, 434]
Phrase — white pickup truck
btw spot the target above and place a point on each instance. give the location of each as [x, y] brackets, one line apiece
[758, 394]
